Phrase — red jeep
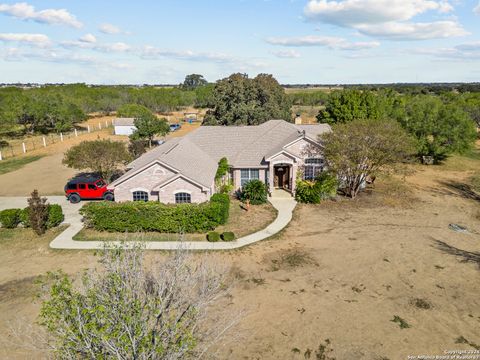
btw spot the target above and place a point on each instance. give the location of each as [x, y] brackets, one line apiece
[87, 188]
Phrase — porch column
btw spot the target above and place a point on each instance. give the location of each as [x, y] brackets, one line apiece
[270, 177]
[294, 177]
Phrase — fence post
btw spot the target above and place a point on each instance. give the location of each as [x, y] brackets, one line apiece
[24, 148]
[44, 142]
[88, 128]
[61, 137]
[99, 126]
[76, 133]
[1, 158]
[106, 123]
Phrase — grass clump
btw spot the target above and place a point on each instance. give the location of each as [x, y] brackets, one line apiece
[228, 236]
[421, 304]
[401, 322]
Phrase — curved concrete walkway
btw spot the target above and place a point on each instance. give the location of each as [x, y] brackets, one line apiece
[284, 206]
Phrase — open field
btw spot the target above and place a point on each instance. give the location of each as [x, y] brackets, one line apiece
[381, 277]
[240, 222]
[46, 173]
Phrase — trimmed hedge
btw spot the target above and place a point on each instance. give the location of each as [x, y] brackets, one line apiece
[228, 236]
[10, 218]
[213, 236]
[55, 216]
[155, 216]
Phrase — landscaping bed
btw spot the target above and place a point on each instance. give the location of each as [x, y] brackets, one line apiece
[240, 222]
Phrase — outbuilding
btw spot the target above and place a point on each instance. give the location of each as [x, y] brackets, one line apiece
[124, 126]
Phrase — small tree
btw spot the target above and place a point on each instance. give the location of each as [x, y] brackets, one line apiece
[361, 148]
[128, 312]
[146, 122]
[38, 213]
[100, 156]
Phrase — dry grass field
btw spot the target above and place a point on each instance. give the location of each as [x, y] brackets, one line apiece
[47, 174]
[381, 277]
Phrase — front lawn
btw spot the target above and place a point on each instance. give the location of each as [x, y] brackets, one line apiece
[240, 222]
[21, 237]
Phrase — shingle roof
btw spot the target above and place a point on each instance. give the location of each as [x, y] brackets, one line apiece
[196, 155]
[124, 122]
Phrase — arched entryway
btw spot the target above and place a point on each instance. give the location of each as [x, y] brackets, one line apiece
[282, 176]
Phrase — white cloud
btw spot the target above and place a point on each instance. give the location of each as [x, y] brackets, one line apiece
[389, 19]
[328, 41]
[286, 54]
[38, 40]
[25, 11]
[353, 12]
[151, 52]
[111, 29]
[88, 38]
[82, 43]
[414, 31]
[463, 52]
[476, 10]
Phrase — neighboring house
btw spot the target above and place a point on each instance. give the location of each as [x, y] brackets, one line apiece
[183, 169]
[124, 126]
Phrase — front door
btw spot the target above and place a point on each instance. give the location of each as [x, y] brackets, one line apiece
[282, 176]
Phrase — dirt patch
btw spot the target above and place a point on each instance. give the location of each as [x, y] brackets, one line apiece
[347, 271]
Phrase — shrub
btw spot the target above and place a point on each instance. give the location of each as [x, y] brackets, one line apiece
[10, 218]
[154, 216]
[255, 191]
[55, 216]
[312, 192]
[213, 236]
[224, 201]
[228, 236]
[38, 213]
[25, 217]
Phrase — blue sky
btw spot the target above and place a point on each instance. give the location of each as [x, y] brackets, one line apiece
[298, 41]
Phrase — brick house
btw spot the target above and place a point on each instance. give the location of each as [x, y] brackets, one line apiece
[183, 169]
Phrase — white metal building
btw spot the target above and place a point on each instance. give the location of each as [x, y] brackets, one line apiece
[124, 126]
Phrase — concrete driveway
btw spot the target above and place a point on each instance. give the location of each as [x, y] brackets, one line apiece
[284, 206]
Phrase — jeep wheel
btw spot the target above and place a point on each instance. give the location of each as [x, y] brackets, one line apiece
[108, 197]
[74, 198]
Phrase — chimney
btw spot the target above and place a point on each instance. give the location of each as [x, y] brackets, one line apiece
[298, 119]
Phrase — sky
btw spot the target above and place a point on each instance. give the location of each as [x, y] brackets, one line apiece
[298, 41]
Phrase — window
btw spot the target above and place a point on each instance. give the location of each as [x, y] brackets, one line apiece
[181, 198]
[100, 183]
[248, 174]
[140, 196]
[81, 186]
[92, 187]
[72, 186]
[313, 166]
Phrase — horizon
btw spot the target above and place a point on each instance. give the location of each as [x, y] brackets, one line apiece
[321, 42]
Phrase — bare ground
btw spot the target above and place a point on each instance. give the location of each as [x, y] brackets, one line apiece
[333, 281]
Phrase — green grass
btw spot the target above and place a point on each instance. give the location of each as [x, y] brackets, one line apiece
[10, 165]
[93, 235]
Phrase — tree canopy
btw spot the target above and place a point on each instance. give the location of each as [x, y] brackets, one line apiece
[239, 100]
[194, 81]
[364, 147]
[100, 156]
[148, 124]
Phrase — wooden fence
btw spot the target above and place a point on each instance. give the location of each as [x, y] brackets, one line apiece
[31, 144]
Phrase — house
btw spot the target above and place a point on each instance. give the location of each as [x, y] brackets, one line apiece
[183, 169]
[124, 126]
